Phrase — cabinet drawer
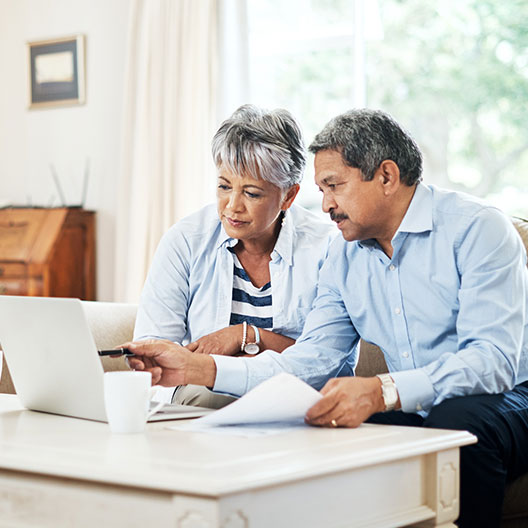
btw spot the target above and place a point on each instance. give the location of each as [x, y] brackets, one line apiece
[12, 269]
[13, 287]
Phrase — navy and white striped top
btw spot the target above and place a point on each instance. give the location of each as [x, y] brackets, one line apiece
[250, 304]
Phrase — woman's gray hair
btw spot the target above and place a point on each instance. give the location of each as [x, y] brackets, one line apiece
[365, 138]
[265, 145]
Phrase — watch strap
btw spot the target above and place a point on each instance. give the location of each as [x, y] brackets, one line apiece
[253, 347]
[244, 336]
[257, 334]
[388, 391]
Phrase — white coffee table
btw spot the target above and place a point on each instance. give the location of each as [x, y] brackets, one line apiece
[57, 471]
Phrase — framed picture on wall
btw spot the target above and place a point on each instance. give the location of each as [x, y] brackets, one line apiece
[56, 72]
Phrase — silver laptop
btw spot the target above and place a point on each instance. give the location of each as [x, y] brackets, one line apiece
[53, 360]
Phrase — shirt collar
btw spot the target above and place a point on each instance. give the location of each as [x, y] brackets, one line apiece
[419, 215]
[224, 239]
[283, 246]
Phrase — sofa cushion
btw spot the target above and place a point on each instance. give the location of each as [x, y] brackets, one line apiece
[522, 227]
[6, 383]
[371, 360]
[111, 324]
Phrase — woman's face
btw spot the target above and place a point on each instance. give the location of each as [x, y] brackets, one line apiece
[249, 208]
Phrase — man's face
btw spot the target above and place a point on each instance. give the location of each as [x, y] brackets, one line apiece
[356, 206]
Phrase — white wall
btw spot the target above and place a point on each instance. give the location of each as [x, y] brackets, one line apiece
[32, 139]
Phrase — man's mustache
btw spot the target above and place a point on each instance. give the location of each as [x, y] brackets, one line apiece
[335, 217]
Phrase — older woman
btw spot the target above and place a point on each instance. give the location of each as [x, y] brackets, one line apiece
[240, 277]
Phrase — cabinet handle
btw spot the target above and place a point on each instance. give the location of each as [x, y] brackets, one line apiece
[3, 289]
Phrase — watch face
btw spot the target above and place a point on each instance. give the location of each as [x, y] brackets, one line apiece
[252, 348]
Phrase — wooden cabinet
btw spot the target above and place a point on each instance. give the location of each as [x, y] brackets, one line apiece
[47, 252]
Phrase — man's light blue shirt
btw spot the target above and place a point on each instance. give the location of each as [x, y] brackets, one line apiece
[448, 310]
[188, 291]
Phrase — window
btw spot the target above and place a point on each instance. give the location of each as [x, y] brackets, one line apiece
[455, 73]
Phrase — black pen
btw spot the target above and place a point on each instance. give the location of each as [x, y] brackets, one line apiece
[116, 352]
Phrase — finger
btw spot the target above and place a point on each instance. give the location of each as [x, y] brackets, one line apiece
[156, 375]
[145, 348]
[322, 407]
[192, 346]
[334, 418]
[128, 344]
[329, 386]
[135, 364]
[145, 342]
[211, 350]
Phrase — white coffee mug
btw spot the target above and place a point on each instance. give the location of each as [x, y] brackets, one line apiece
[127, 400]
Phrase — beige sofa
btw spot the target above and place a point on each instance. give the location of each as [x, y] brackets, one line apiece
[113, 323]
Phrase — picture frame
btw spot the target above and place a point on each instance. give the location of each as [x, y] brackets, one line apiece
[57, 72]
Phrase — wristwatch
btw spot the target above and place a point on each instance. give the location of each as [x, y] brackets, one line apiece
[388, 391]
[253, 348]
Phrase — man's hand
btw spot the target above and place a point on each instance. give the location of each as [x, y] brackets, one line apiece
[347, 402]
[226, 342]
[171, 364]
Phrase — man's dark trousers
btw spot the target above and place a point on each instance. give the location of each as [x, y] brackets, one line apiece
[500, 422]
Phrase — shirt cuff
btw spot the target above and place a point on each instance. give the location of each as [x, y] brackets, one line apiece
[415, 390]
[231, 375]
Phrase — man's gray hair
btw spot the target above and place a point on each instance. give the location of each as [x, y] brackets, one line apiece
[365, 138]
[265, 145]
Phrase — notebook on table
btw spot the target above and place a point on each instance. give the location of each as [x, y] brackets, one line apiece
[53, 360]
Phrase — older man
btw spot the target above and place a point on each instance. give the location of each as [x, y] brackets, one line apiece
[436, 279]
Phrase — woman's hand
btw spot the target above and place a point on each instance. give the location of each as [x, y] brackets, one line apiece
[224, 342]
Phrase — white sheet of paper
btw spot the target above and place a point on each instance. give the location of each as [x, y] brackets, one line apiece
[283, 398]
[245, 430]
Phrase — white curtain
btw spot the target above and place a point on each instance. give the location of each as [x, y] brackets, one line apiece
[170, 116]
[233, 56]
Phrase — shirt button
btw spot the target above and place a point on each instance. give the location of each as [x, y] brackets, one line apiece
[405, 354]
[418, 407]
[392, 267]
[397, 311]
